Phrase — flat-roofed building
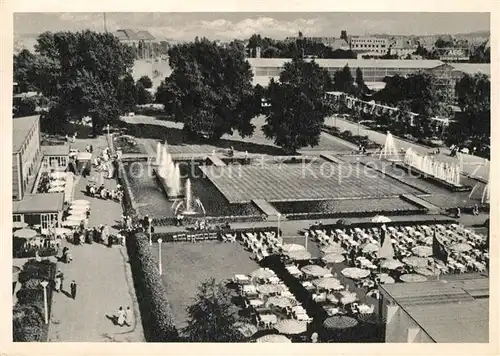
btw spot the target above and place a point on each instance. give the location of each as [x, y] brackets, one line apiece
[378, 45]
[452, 310]
[26, 153]
[55, 156]
[43, 209]
[374, 70]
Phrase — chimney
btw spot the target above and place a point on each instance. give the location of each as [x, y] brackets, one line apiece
[257, 52]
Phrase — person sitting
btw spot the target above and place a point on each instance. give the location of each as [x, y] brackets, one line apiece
[475, 210]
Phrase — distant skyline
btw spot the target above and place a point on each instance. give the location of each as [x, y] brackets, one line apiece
[227, 26]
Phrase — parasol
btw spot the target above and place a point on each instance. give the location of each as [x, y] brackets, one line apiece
[56, 189]
[292, 247]
[328, 283]
[273, 338]
[291, 327]
[71, 223]
[380, 219]
[58, 231]
[246, 329]
[80, 202]
[280, 302]
[391, 264]
[333, 258]
[315, 271]
[355, 273]
[58, 175]
[77, 216]
[416, 261]
[268, 288]
[412, 277]
[386, 279]
[340, 322]
[298, 255]
[25, 233]
[335, 249]
[19, 225]
[422, 251]
[370, 247]
[262, 273]
[78, 209]
[461, 247]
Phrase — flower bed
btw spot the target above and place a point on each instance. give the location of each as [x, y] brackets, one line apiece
[156, 313]
[170, 220]
[352, 214]
[28, 314]
[348, 136]
[127, 144]
[43, 183]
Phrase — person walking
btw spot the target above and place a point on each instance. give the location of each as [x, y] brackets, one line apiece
[73, 289]
[57, 284]
[121, 316]
[129, 317]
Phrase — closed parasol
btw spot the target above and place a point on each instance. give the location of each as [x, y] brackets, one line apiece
[422, 251]
[25, 233]
[338, 322]
[292, 247]
[333, 258]
[415, 261]
[391, 264]
[412, 277]
[328, 283]
[291, 327]
[333, 249]
[355, 273]
[19, 225]
[272, 338]
[246, 329]
[370, 247]
[262, 273]
[268, 288]
[280, 302]
[315, 271]
[298, 255]
[461, 247]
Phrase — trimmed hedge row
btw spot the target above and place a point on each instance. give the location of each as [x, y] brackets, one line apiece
[352, 214]
[170, 220]
[348, 136]
[28, 313]
[156, 313]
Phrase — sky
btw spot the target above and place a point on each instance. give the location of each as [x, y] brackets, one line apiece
[226, 26]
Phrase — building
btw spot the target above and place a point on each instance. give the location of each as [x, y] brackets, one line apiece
[327, 41]
[39, 209]
[378, 45]
[55, 157]
[455, 310]
[26, 153]
[402, 47]
[374, 70]
[133, 38]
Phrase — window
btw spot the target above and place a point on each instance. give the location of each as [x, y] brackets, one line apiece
[16, 218]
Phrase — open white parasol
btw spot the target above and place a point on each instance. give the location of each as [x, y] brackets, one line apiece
[416, 261]
[355, 273]
[80, 202]
[57, 183]
[292, 247]
[280, 302]
[412, 277]
[19, 225]
[25, 233]
[391, 264]
[461, 247]
[328, 284]
[369, 247]
[315, 270]
[333, 249]
[274, 338]
[262, 273]
[291, 327]
[299, 255]
[333, 258]
[422, 251]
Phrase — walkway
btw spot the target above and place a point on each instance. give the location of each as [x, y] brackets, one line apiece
[103, 278]
[472, 165]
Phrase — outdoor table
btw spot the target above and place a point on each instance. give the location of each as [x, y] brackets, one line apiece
[331, 311]
[303, 317]
[274, 280]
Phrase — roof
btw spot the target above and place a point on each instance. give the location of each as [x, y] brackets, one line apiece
[56, 150]
[21, 127]
[39, 203]
[145, 35]
[450, 310]
[126, 34]
[473, 68]
[353, 63]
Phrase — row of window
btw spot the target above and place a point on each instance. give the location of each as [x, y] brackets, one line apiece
[28, 139]
[368, 46]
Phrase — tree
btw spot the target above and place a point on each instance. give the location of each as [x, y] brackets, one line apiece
[146, 82]
[343, 80]
[212, 315]
[473, 96]
[360, 83]
[27, 323]
[297, 109]
[210, 89]
[126, 93]
[24, 64]
[80, 72]
[26, 107]
[143, 96]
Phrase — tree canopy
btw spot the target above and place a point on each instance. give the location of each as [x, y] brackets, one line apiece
[210, 89]
[343, 81]
[212, 315]
[146, 82]
[297, 110]
[80, 72]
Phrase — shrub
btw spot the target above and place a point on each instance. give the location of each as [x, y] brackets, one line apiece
[156, 314]
[27, 323]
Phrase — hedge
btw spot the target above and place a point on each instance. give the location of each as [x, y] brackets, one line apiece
[156, 313]
[28, 313]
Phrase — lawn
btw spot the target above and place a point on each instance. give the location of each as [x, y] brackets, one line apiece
[187, 265]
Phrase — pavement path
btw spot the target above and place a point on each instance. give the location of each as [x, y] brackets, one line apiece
[102, 275]
[472, 165]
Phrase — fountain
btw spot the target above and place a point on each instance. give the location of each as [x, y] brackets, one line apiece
[189, 204]
[167, 171]
[389, 148]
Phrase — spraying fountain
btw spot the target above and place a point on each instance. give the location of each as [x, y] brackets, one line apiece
[389, 149]
[167, 171]
[446, 172]
[190, 205]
